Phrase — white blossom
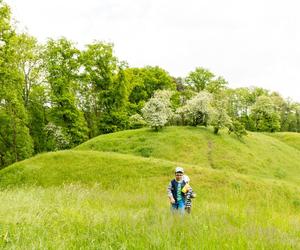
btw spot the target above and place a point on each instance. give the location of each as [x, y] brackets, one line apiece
[157, 110]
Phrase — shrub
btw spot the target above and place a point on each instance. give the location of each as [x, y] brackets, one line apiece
[136, 121]
[56, 138]
[237, 128]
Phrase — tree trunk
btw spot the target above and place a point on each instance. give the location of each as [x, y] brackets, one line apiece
[216, 130]
[15, 137]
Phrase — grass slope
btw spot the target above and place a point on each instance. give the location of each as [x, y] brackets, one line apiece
[87, 199]
[292, 139]
[257, 154]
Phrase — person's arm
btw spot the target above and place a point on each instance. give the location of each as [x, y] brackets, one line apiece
[170, 195]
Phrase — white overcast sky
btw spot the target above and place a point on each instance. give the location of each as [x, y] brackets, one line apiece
[250, 43]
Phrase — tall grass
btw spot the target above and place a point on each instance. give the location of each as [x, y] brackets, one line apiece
[85, 217]
[117, 199]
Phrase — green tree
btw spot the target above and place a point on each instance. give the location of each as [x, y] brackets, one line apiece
[38, 112]
[200, 78]
[237, 128]
[15, 141]
[216, 85]
[29, 57]
[144, 82]
[62, 69]
[297, 115]
[265, 115]
[105, 78]
[218, 117]
[287, 110]
[240, 101]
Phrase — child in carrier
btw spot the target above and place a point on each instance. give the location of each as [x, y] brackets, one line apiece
[189, 194]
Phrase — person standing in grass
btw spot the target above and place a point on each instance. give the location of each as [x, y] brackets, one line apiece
[175, 194]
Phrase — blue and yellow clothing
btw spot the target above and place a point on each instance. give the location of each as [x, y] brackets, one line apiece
[178, 192]
[175, 190]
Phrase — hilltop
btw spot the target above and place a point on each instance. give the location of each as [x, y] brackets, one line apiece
[257, 154]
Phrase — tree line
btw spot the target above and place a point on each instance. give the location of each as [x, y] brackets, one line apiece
[55, 96]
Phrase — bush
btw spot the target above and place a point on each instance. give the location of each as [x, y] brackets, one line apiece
[136, 121]
[237, 128]
[56, 138]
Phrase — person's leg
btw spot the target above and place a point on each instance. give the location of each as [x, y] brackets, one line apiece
[181, 207]
[188, 210]
[188, 202]
[173, 207]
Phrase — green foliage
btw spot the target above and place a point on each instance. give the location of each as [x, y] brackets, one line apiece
[237, 128]
[113, 121]
[240, 102]
[106, 82]
[136, 121]
[289, 114]
[55, 137]
[219, 119]
[61, 63]
[29, 58]
[15, 141]
[144, 82]
[264, 115]
[217, 85]
[37, 117]
[196, 111]
[202, 79]
[5, 23]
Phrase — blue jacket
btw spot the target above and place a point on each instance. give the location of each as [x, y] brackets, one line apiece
[174, 185]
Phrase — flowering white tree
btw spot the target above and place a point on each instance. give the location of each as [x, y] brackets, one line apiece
[181, 115]
[219, 118]
[197, 110]
[56, 138]
[157, 110]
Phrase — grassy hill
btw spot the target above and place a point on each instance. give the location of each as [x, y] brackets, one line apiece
[110, 193]
[291, 139]
[258, 154]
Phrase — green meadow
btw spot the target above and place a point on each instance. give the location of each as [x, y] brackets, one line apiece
[110, 193]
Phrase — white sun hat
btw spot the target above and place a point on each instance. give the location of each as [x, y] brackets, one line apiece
[179, 170]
